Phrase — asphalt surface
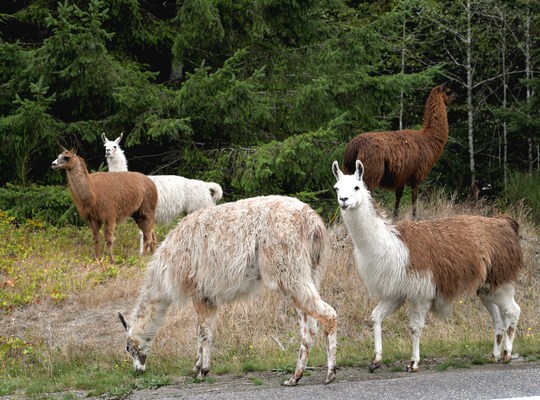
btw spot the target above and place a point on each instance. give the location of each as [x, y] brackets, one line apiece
[486, 382]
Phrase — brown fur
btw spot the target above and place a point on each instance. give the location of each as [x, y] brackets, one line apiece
[109, 198]
[464, 252]
[398, 158]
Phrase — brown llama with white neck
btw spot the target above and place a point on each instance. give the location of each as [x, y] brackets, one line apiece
[221, 254]
[109, 198]
[430, 263]
[398, 158]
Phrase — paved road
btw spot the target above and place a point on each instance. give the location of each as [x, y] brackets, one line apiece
[487, 382]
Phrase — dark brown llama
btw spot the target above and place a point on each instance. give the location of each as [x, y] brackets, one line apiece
[109, 198]
[397, 158]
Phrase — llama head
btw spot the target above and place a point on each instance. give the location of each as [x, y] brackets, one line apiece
[447, 94]
[480, 188]
[137, 349]
[65, 160]
[111, 146]
[350, 189]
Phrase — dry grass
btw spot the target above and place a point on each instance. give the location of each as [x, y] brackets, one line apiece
[265, 330]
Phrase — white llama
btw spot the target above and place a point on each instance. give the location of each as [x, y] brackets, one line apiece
[430, 263]
[220, 254]
[176, 195]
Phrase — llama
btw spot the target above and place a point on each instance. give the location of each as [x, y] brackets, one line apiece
[430, 263]
[395, 159]
[114, 155]
[220, 254]
[110, 198]
[480, 189]
[176, 195]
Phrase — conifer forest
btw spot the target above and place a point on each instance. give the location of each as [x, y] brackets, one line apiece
[262, 96]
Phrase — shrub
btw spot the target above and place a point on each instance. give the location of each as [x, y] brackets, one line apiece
[50, 204]
[526, 188]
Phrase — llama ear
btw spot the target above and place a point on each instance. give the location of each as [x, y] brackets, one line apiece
[123, 321]
[444, 85]
[337, 172]
[103, 137]
[119, 138]
[359, 173]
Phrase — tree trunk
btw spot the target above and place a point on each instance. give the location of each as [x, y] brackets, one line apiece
[469, 68]
[529, 77]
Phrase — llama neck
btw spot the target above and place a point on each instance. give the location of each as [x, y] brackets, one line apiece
[435, 118]
[79, 183]
[381, 256]
[117, 163]
[148, 315]
[368, 229]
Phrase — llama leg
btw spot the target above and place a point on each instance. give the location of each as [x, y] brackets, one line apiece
[417, 319]
[509, 310]
[206, 315]
[314, 310]
[414, 196]
[95, 226]
[384, 308]
[498, 327]
[141, 242]
[146, 227]
[109, 238]
[399, 195]
[308, 331]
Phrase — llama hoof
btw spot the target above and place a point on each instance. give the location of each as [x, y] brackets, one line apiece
[412, 367]
[493, 359]
[330, 377]
[374, 365]
[506, 358]
[291, 382]
[202, 374]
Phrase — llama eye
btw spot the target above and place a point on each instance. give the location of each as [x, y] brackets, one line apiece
[66, 158]
[357, 188]
[336, 189]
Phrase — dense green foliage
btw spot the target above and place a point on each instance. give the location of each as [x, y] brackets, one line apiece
[50, 204]
[259, 95]
[526, 188]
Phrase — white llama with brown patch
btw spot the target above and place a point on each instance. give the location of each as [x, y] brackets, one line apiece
[430, 263]
[108, 199]
[220, 254]
[176, 195]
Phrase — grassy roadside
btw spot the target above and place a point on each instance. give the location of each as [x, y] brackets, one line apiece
[58, 326]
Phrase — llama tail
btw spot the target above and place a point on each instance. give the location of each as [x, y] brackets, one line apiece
[511, 221]
[318, 249]
[215, 190]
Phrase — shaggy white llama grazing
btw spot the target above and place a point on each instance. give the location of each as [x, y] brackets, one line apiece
[430, 263]
[176, 195]
[220, 254]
